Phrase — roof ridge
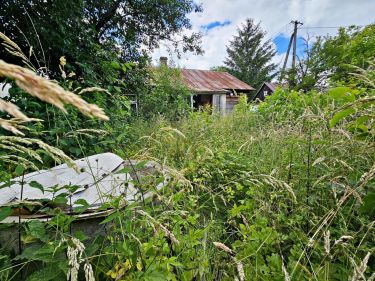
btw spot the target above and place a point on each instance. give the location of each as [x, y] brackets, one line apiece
[203, 79]
[205, 70]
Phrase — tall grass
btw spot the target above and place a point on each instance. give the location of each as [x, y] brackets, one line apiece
[250, 196]
[287, 195]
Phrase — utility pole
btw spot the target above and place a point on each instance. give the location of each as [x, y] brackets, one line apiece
[287, 56]
[293, 40]
[296, 23]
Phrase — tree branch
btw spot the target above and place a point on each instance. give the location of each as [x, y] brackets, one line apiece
[107, 16]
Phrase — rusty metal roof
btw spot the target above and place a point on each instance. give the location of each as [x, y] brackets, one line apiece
[212, 81]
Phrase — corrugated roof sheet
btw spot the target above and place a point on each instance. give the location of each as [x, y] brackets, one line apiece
[272, 85]
[212, 81]
[101, 178]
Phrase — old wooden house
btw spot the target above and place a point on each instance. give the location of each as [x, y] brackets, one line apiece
[216, 89]
[220, 90]
[265, 90]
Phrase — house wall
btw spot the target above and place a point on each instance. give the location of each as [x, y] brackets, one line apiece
[263, 92]
[219, 103]
[232, 101]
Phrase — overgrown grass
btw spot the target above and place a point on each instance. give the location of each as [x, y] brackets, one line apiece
[255, 195]
[287, 197]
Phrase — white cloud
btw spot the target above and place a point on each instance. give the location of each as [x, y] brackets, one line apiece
[275, 16]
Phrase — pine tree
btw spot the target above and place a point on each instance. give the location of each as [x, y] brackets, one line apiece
[249, 57]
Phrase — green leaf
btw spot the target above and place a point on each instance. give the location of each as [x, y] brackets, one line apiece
[19, 170]
[60, 200]
[124, 170]
[111, 217]
[115, 65]
[82, 202]
[80, 235]
[368, 206]
[44, 253]
[362, 127]
[362, 120]
[45, 274]
[118, 89]
[82, 208]
[36, 229]
[124, 68]
[341, 115]
[341, 93]
[154, 276]
[141, 164]
[5, 212]
[37, 185]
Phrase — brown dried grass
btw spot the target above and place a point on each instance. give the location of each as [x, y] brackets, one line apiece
[48, 91]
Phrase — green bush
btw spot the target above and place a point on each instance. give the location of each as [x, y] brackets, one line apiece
[168, 97]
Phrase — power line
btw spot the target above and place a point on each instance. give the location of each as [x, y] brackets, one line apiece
[323, 27]
[280, 30]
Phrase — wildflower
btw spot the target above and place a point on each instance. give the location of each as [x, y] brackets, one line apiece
[62, 61]
[74, 258]
[327, 244]
[74, 254]
[223, 247]
[89, 273]
[139, 264]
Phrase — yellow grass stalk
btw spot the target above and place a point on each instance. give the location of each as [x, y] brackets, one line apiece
[239, 265]
[13, 110]
[14, 144]
[48, 91]
[93, 89]
[15, 50]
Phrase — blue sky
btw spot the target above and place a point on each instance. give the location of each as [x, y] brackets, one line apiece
[281, 42]
[215, 24]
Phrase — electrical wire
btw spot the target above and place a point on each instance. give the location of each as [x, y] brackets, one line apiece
[328, 27]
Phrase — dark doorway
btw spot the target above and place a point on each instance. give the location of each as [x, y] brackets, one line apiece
[202, 100]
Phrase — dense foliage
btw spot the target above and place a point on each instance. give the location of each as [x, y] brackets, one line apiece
[168, 95]
[90, 33]
[331, 59]
[282, 192]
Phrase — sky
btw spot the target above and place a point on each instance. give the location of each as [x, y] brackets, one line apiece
[220, 20]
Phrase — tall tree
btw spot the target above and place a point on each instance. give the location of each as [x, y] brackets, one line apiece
[249, 56]
[90, 32]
